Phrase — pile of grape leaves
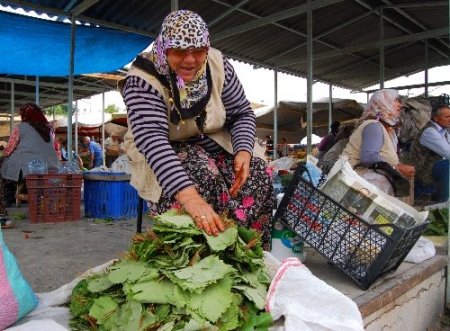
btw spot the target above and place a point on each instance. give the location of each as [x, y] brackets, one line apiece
[176, 277]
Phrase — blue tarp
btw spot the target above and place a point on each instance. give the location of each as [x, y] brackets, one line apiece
[37, 47]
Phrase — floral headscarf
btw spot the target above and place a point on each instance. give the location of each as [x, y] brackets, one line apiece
[33, 115]
[381, 106]
[182, 29]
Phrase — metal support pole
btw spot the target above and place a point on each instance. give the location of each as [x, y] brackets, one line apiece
[330, 107]
[70, 97]
[309, 82]
[76, 128]
[381, 49]
[426, 68]
[139, 218]
[275, 114]
[173, 5]
[103, 129]
[447, 292]
[11, 119]
[36, 94]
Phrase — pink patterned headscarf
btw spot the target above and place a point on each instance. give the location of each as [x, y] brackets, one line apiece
[381, 106]
[182, 29]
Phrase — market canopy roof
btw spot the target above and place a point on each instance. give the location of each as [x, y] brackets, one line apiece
[291, 115]
[91, 124]
[348, 47]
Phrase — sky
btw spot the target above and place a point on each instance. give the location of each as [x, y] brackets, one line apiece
[259, 87]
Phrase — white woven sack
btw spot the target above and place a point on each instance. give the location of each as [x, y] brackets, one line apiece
[307, 303]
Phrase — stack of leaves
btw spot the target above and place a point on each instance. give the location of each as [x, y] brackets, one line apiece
[286, 179]
[438, 222]
[176, 277]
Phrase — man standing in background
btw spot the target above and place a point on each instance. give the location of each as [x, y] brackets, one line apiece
[431, 153]
[95, 153]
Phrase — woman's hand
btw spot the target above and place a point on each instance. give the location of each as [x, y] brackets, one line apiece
[241, 171]
[203, 214]
[406, 170]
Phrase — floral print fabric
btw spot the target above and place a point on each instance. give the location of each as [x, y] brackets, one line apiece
[12, 142]
[252, 208]
[3, 211]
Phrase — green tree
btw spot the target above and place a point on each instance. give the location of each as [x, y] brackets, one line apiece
[60, 109]
[112, 109]
[57, 110]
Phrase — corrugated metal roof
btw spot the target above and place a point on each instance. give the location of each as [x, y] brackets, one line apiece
[272, 33]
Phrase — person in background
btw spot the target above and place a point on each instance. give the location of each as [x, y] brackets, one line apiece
[431, 153]
[95, 153]
[284, 148]
[57, 146]
[375, 140]
[191, 136]
[30, 140]
[329, 140]
[269, 147]
[329, 159]
[113, 148]
[65, 154]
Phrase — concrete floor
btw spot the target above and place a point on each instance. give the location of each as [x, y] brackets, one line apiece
[51, 255]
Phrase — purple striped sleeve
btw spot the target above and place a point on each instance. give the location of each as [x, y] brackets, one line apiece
[240, 118]
[149, 123]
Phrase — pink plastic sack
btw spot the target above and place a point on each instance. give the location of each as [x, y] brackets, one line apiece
[16, 295]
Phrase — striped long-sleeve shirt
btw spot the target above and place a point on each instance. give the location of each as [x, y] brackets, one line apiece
[148, 118]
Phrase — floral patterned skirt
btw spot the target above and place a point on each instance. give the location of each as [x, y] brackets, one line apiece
[214, 175]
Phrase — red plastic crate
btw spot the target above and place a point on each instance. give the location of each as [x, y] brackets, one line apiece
[54, 198]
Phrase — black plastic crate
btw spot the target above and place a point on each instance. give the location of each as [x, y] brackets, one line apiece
[363, 251]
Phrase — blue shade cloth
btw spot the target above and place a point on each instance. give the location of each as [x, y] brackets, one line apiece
[37, 47]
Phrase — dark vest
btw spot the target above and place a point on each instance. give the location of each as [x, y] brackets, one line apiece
[423, 157]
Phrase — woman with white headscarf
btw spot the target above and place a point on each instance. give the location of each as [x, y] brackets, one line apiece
[191, 132]
[375, 140]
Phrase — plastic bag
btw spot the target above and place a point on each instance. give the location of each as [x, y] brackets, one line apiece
[16, 295]
[38, 167]
[121, 164]
[313, 173]
[50, 314]
[307, 303]
[39, 325]
[422, 250]
[283, 163]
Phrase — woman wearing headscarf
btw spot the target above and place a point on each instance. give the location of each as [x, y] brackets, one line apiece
[375, 140]
[329, 140]
[191, 134]
[32, 139]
